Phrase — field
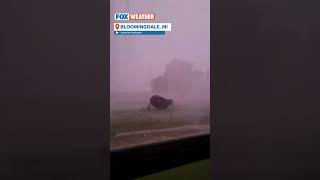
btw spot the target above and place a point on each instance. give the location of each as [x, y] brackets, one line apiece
[135, 125]
[196, 170]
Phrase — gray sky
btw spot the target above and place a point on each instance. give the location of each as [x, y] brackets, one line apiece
[135, 60]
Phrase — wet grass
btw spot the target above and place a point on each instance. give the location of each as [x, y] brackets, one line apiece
[194, 171]
[128, 120]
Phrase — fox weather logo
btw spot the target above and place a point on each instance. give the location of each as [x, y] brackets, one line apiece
[139, 28]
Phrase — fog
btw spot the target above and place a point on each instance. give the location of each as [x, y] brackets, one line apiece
[137, 60]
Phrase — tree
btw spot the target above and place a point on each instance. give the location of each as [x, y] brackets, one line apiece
[159, 84]
[176, 80]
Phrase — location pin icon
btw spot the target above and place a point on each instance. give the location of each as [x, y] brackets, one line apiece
[117, 26]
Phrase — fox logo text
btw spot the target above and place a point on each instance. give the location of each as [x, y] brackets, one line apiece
[121, 16]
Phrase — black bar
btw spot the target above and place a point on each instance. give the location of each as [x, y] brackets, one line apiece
[54, 89]
[139, 161]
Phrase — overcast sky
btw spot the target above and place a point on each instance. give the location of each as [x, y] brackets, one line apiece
[135, 60]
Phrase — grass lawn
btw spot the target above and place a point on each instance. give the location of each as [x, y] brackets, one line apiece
[195, 171]
[129, 120]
